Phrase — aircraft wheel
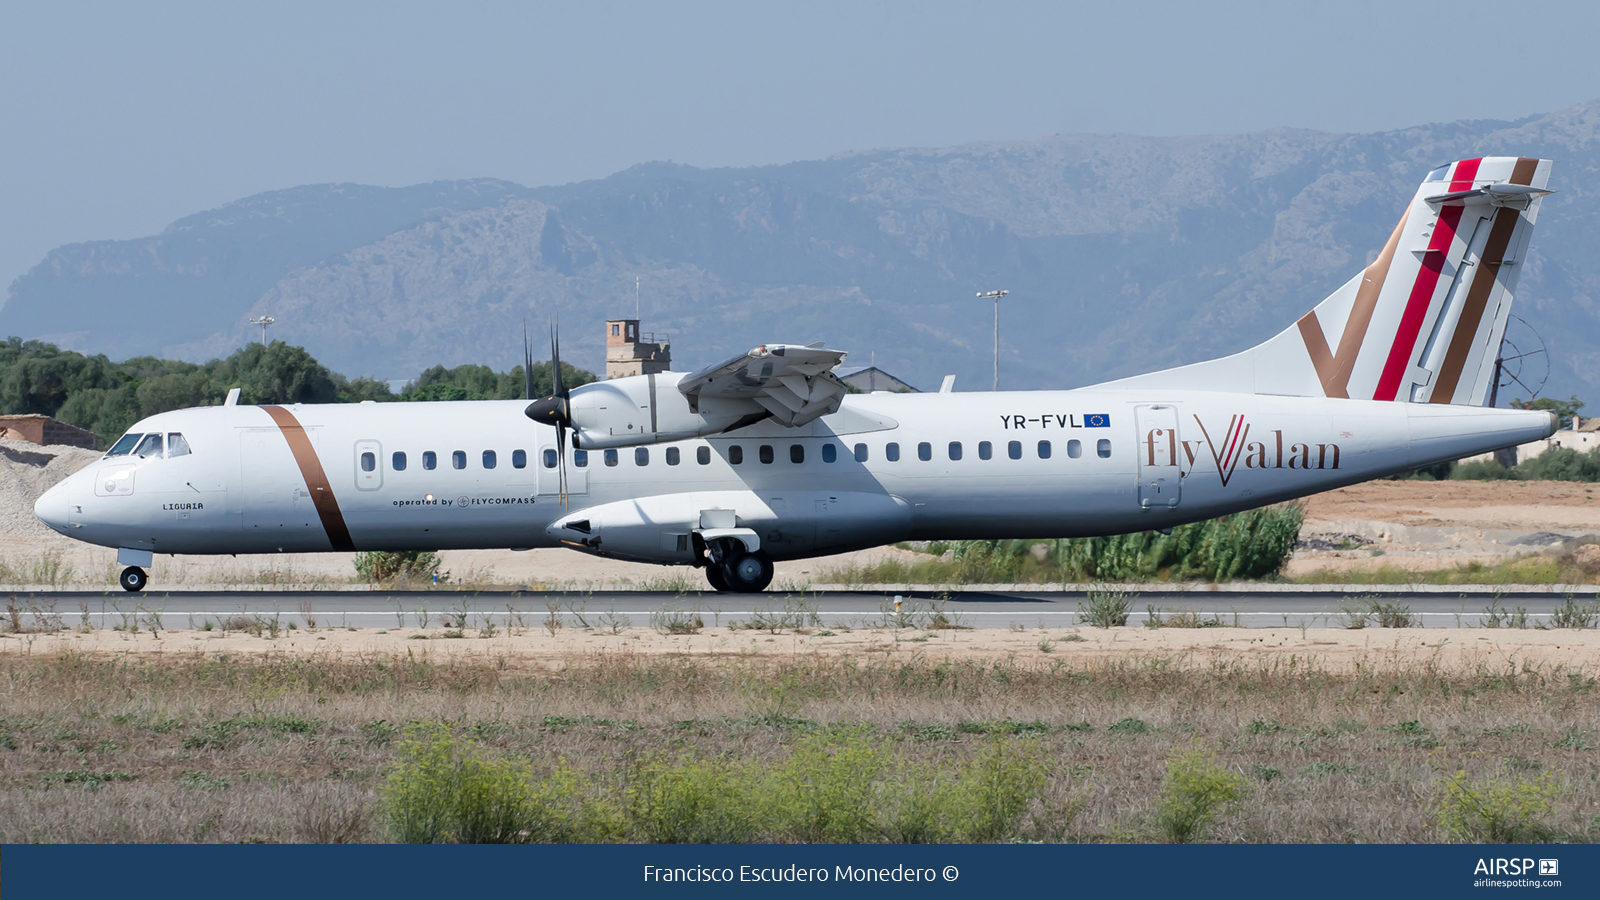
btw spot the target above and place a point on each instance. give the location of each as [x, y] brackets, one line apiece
[714, 577]
[133, 579]
[748, 573]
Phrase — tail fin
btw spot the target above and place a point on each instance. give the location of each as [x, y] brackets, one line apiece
[1423, 322]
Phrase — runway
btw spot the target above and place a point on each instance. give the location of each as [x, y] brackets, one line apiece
[400, 609]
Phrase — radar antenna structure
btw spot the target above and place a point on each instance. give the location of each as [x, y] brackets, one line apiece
[1524, 361]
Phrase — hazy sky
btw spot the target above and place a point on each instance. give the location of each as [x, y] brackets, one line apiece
[116, 119]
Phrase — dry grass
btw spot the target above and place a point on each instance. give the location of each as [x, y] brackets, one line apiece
[97, 748]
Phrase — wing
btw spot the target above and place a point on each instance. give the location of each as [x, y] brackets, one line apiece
[794, 383]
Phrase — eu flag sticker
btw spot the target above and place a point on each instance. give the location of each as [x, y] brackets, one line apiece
[1097, 420]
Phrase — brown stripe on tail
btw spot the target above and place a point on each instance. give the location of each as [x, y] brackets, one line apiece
[1522, 172]
[1483, 280]
[305, 456]
[1334, 369]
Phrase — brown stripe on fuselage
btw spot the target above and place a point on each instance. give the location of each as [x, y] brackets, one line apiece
[1483, 281]
[305, 456]
[1333, 369]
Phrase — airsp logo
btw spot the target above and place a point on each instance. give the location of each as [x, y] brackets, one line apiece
[1502, 866]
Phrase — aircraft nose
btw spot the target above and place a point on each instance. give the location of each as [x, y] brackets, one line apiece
[52, 508]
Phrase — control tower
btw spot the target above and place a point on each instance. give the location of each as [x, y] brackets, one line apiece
[628, 352]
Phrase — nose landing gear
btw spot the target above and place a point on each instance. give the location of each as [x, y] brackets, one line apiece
[133, 579]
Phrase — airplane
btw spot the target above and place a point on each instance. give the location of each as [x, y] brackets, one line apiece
[765, 457]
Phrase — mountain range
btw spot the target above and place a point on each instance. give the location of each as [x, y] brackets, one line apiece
[1121, 253]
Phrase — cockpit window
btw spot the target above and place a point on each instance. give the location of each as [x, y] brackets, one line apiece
[149, 447]
[176, 445]
[124, 444]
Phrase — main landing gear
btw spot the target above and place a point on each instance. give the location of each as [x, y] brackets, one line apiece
[134, 579]
[741, 573]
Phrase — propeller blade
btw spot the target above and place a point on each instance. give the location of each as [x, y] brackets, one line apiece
[560, 455]
[527, 362]
[555, 357]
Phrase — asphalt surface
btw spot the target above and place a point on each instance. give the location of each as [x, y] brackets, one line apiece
[383, 609]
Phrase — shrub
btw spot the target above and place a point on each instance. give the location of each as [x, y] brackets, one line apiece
[1250, 544]
[1573, 614]
[449, 792]
[694, 802]
[1504, 810]
[826, 794]
[1196, 791]
[849, 788]
[382, 566]
[1105, 609]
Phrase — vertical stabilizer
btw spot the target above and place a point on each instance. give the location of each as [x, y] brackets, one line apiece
[1423, 322]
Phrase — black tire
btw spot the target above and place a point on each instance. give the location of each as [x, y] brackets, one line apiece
[748, 573]
[133, 579]
[714, 576]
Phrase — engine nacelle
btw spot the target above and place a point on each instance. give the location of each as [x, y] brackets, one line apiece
[649, 409]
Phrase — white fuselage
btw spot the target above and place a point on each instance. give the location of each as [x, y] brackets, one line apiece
[1117, 462]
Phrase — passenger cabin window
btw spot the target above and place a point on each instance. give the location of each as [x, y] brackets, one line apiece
[985, 450]
[830, 452]
[861, 453]
[551, 458]
[766, 454]
[797, 453]
[1044, 449]
[519, 459]
[149, 447]
[611, 457]
[124, 444]
[955, 450]
[398, 461]
[924, 451]
[580, 458]
[1103, 448]
[176, 445]
[458, 459]
[641, 456]
[1014, 449]
[1074, 449]
[891, 452]
[369, 461]
[673, 456]
[735, 454]
[488, 459]
[430, 460]
[702, 455]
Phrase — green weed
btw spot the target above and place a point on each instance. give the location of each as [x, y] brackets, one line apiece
[1495, 810]
[1196, 791]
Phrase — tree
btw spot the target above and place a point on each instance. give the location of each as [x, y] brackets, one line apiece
[106, 398]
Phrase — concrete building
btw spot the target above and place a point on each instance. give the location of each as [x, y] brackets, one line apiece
[871, 378]
[37, 429]
[628, 352]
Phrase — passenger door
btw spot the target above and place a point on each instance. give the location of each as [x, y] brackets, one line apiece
[1161, 456]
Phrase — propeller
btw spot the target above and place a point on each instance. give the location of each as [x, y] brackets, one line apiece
[553, 410]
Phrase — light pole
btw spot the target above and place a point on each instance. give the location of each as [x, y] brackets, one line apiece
[995, 296]
[263, 321]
